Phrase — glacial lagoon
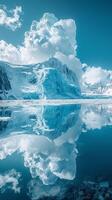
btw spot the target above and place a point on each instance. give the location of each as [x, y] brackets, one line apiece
[55, 151]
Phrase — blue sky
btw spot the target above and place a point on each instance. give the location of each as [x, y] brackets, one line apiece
[93, 20]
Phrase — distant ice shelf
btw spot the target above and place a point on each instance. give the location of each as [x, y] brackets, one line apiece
[53, 102]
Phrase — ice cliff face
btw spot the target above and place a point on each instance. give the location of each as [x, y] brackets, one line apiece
[50, 79]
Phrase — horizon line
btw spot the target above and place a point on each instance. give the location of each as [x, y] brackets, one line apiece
[51, 102]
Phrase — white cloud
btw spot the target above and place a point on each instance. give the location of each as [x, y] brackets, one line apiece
[94, 75]
[53, 37]
[10, 180]
[96, 80]
[10, 18]
[8, 52]
[46, 38]
[49, 36]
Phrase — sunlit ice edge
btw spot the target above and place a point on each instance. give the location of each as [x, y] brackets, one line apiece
[51, 102]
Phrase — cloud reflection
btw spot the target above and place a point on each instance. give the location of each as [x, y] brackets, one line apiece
[96, 116]
[46, 136]
[10, 180]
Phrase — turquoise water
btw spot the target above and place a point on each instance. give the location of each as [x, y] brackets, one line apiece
[56, 152]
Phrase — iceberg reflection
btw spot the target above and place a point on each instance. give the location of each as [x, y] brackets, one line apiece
[46, 137]
[50, 121]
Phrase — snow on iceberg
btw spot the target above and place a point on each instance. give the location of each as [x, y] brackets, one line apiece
[50, 79]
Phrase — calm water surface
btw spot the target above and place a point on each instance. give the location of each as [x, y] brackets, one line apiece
[56, 152]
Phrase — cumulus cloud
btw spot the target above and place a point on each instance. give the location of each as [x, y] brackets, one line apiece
[96, 80]
[95, 75]
[49, 36]
[46, 38]
[53, 37]
[10, 18]
[10, 180]
[8, 52]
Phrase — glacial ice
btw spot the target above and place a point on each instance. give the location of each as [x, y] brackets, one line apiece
[50, 79]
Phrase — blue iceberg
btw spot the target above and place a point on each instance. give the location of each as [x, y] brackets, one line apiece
[47, 80]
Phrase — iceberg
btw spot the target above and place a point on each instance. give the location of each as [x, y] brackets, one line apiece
[47, 80]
